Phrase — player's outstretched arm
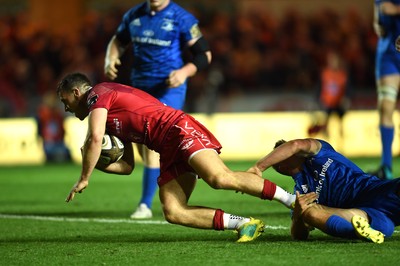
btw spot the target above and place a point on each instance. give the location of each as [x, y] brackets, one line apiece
[299, 147]
[91, 149]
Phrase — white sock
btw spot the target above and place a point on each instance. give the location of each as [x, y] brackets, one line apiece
[233, 221]
[284, 197]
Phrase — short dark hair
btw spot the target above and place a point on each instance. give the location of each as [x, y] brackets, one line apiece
[73, 80]
[279, 143]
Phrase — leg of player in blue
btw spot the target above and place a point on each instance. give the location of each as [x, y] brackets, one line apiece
[340, 227]
[365, 231]
[149, 188]
[387, 136]
[358, 227]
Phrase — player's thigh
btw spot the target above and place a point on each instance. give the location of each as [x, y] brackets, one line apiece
[209, 165]
[392, 80]
[176, 193]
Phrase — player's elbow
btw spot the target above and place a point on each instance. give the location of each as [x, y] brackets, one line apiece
[128, 169]
[299, 230]
[125, 167]
[299, 233]
[95, 138]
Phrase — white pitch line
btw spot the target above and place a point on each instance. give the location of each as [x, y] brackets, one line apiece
[84, 220]
[100, 220]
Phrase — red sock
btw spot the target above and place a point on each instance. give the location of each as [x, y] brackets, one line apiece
[268, 191]
[218, 221]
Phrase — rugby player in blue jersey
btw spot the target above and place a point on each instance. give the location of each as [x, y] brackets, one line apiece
[387, 72]
[159, 31]
[333, 194]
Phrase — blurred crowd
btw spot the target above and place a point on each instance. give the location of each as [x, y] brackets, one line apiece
[253, 51]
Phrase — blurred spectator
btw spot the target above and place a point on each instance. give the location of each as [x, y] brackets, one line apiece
[50, 118]
[255, 52]
[333, 92]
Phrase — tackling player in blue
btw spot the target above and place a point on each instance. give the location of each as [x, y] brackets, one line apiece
[333, 194]
[387, 73]
[159, 31]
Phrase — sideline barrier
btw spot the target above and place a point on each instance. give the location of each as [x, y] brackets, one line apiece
[19, 142]
[249, 136]
[244, 136]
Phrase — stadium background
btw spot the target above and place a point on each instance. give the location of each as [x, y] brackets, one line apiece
[260, 87]
[263, 74]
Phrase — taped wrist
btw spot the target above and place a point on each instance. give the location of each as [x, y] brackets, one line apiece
[199, 49]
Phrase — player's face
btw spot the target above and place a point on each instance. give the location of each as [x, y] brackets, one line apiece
[71, 101]
[290, 166]
[68, 99]
[157, 5]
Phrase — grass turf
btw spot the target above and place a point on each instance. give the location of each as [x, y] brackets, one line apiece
[37, 227]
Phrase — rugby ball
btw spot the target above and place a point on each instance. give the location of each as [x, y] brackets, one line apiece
[112, 149]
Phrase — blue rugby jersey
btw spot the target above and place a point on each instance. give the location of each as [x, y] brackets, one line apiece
[158, 39]
[337, 180]
[387, 58]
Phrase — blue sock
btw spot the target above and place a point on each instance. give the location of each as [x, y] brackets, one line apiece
[339, 227]
[387, 135]
[149, 186]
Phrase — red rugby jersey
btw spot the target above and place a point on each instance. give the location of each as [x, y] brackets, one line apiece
[133, 115]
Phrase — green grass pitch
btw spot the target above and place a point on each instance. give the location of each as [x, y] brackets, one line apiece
[37, 227]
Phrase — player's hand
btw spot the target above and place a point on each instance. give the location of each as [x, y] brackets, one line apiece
[304, 201]
[77, 188]
[176, 78]
[110, 67]
[255, 170]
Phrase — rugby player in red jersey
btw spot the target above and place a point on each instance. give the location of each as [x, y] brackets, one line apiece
[187, 149]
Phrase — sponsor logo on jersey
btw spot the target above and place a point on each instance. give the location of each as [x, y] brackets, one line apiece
[167, 25]
[151, 41]
[148, 33]
[195, 31]
[187, 145]
[117, 125]
[322, 176]
[304, 188]
[200, 138]
[92, 100]
[136, 22]
[325, 167]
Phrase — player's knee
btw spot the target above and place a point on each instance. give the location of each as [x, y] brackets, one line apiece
[385, 226]
[128, 169]
[172, 214]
